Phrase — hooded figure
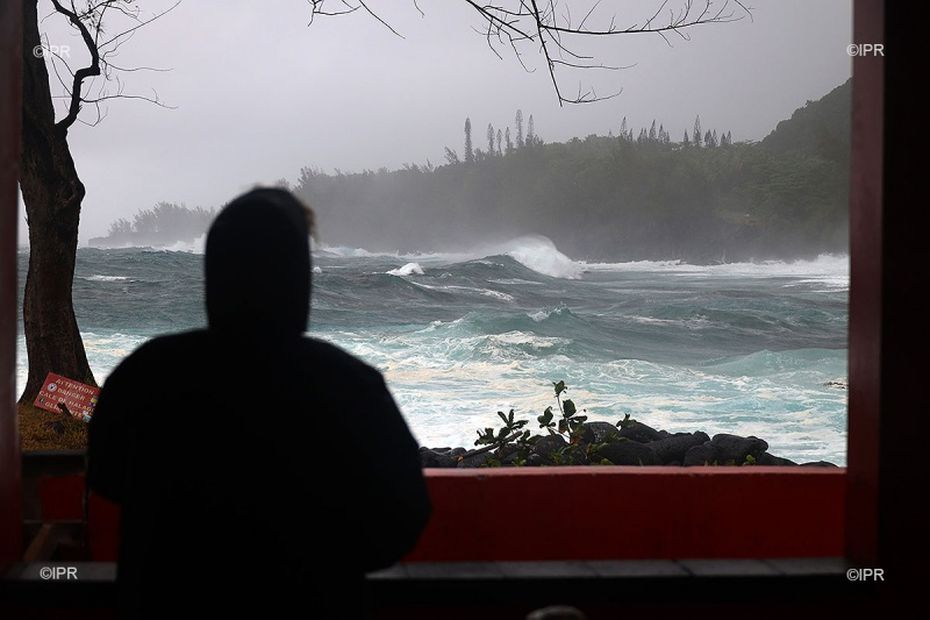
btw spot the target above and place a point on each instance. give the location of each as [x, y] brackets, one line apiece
[253, 464]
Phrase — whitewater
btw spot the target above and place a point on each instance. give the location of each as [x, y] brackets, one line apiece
[754, 348]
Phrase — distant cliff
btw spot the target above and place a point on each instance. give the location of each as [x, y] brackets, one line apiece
[614, 197]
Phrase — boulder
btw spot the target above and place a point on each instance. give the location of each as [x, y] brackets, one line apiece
[770, 459]
[735, 449]
[674, 447]
[535, 460]
[637, 431]
[475, 460]
[548, 445]
[819, 464]
[627, 453]
[704, 454]
[436, 458]
[598, 432]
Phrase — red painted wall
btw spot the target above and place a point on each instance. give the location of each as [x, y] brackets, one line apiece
[566, 513]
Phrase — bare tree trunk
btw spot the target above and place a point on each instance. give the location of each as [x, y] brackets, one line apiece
[52, 193]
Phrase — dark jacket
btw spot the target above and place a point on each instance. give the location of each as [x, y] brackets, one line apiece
[252, 463]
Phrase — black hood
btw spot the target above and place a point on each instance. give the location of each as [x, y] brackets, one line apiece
[258, 267]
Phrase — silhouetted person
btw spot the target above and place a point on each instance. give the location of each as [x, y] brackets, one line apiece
[252, 463]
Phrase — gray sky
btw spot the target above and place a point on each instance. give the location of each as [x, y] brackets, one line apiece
[259, 94]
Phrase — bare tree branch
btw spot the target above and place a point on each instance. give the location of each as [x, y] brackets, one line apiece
[547, 26]
[88, 20]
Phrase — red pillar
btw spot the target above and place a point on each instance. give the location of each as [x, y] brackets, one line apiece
[865, 294]
[10, 117]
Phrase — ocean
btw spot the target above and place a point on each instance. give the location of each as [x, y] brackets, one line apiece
[746, 348]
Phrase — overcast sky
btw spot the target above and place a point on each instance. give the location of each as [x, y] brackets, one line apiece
[258, 94]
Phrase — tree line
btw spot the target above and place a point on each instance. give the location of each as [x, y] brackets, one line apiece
[706, 198]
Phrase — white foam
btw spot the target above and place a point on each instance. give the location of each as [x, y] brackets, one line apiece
[410, 269]
[196, 246]
[540, 254]
[103, 278]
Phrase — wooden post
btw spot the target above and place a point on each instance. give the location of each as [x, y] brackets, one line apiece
[11, 63]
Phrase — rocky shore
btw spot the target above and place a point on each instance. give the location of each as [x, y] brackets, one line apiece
[602, 443]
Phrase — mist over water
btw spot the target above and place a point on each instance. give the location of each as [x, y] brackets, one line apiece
[747, 348]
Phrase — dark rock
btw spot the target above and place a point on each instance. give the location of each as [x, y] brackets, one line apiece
[674, 447]
[637, 431]
[598, 432]
[627, 453]
[664, 434]
[534, 460]
[704, 454]
[505, 451]
[475, 460]
[457, 452]
[548, 445]
[819, 464]
[733, 449]
[436, 458]
[770, 459]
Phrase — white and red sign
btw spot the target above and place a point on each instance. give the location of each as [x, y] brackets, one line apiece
[79, 398]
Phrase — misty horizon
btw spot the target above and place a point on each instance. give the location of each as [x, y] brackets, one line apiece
[372, 100]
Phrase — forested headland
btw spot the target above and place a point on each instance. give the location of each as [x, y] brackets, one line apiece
[630, 195]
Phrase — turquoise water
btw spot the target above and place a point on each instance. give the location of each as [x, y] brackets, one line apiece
[749, 348]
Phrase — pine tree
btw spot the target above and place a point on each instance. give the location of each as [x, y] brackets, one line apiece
[500, 137]
[623, 128]
[530, 133]
[508, 142]
[652, 132]
[469, 153]
[708, 139]
[697, 139]
[490, 139]
[685, 141]
[519, 123]
[714, 136]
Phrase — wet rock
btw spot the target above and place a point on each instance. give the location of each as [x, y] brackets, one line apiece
[770, 459]
[733, 449]
[637, 431]
[548, 445]
[436, 458]
[704, 454]
[674, 447]
[475, 460]
[535, 460]
[598, 432]
[627, 453]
